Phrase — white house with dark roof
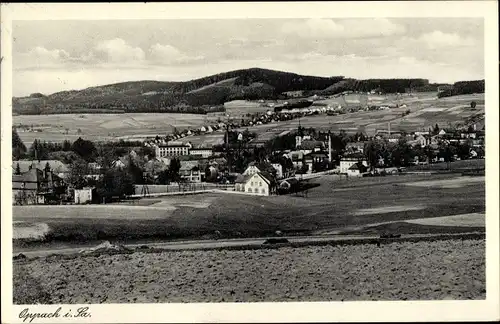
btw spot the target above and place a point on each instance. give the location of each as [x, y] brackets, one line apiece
[260, 184]
[57, 167]
[349, 160]
[357, 169]
[355, 147]
[279, 170]
[190, 171]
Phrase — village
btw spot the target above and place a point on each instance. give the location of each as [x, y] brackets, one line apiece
[243, 164]
[228, 159]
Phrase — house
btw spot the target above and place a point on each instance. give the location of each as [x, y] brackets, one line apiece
[288, 185]
[475, 154]
[260, 183]
[118, 164]
[155, 166]
[190, 171]
[357, 169]
[355, 147]
[37, 186]
[84, 195]
[294, 94]
[57, 167]
[308, 146]
[349, 160]
[299, 139]
[315, 157]
[251, 169]
[419, 140]
[94, 171]
[442, 132]
[172, 149]
[394, 138]
[279, 170]
[203, 152]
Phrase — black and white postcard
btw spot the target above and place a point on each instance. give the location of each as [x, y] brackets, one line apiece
[248, 162]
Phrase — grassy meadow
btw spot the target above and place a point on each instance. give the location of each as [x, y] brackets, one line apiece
[334, 205]
[426, 110]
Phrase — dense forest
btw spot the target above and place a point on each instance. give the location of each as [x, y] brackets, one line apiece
[463, 87]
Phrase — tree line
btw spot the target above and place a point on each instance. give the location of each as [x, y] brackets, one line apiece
[463, 87]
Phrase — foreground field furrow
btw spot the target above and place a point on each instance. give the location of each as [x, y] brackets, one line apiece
[453, 269]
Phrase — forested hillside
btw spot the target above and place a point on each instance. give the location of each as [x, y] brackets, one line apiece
[207, 94]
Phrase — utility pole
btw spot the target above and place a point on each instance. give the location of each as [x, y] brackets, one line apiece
[228, 154]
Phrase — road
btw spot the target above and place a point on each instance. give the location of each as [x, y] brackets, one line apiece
[243, 243]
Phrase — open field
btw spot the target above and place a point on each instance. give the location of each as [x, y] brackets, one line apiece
[335, 205]
[461, 165]
[239, 108]
[105, 126]
[450, 269]
[207, 140]
[426, 110]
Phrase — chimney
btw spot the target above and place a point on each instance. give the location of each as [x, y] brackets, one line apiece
[329, 148]
[389, 128]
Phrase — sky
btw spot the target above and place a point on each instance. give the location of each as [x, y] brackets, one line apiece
[52, 56]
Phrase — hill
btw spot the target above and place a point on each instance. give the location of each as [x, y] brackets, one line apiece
[201, 95]
[462, 88]
[196, 96]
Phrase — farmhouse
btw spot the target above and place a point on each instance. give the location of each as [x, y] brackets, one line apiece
[355, 147]
[84, 195]
[119, 164]
[36, 186]
[313, 158]
[190, 171]
[356, 170]
[260, 183]
[297, 158]
[288, 185]
[57, 167]
[308, 146]
[254, 168]
[299, 139]
[279, 170]
[420, 140]
[349, 160]
[394, 138]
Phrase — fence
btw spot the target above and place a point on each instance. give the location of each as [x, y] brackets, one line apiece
[180, 188]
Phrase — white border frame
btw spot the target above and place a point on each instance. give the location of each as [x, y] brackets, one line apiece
[265, 312]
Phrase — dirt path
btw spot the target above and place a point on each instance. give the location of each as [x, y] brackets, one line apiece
[235, 243]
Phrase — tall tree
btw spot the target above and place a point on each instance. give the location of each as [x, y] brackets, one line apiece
[66, 146]
[47, 168]
[115, 183]
[84, 148]
[135, 172]
[18, 147]
[436, 129]
[18, 169]
[173, 169]
[78, 171]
